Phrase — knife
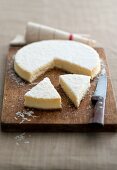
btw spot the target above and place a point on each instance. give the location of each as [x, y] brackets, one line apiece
[98, 99]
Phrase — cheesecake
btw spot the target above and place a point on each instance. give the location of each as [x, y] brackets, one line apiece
[34, 59]
[43, 96]
[75, 86]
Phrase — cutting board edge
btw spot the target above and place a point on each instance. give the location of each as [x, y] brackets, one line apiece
[5, 127]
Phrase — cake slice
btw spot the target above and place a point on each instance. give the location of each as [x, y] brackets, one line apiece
[75, 86]
[43, 96]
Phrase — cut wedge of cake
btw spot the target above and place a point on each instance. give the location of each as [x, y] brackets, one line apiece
[34, 59]
[43, 96]
[75, 86]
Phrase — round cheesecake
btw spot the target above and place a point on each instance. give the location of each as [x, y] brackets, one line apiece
[34, 59]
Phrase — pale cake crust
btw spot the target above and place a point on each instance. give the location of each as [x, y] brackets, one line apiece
[34, 59]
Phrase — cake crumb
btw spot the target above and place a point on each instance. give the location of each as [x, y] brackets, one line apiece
[22, 138]
[24, 115]
[15, 118]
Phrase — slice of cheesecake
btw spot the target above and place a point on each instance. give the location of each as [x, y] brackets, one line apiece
[75, 86]
[43, 96]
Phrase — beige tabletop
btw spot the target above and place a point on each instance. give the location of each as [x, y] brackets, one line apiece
[60, 150]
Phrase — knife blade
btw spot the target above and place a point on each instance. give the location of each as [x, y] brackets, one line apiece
[98, 99]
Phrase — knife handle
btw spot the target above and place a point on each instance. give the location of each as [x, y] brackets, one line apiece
[99, 108]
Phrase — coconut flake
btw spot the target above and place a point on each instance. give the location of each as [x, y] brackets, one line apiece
[22, 139]
[24, 115]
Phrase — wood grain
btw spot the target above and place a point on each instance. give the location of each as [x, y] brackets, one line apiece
[67, 119]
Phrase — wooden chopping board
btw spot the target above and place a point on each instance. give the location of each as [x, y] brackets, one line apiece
[67, 119]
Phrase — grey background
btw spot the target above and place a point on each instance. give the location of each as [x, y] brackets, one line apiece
[60, 150]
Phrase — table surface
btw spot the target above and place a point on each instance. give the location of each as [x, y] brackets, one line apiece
[81, 151]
